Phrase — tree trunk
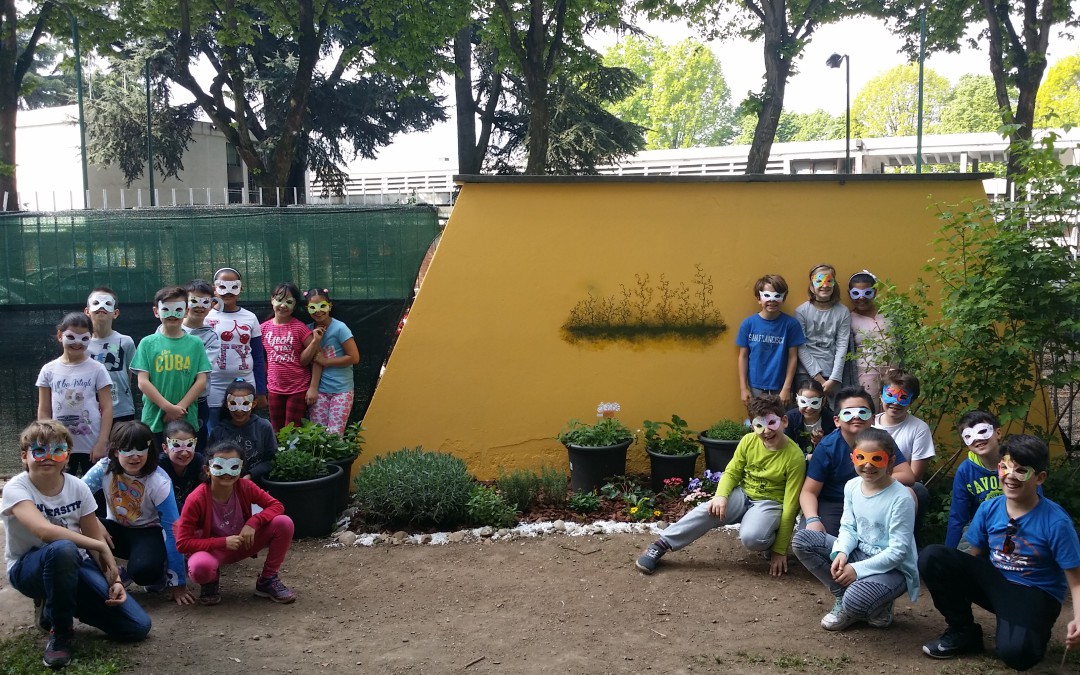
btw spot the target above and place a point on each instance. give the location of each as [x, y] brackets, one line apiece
[9, 104]
[777, 69]
[538, 138]
[469, 163]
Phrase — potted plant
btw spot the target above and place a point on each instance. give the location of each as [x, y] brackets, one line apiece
[596, 451]
[318, 441]
[307, 487]
[720, 441]
[672, 450]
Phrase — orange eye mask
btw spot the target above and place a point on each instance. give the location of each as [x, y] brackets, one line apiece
[878, 458]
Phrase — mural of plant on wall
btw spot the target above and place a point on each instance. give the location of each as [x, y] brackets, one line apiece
[649, 311]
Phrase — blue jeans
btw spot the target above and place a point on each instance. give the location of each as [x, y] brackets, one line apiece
[73, 587]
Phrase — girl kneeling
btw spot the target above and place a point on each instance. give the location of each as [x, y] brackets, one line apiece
[217, 527]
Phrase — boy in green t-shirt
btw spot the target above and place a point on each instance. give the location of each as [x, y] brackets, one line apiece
[759, 490]
[171, 365]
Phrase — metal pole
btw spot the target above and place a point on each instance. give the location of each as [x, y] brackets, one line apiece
[149, 136]
[79, 96]
[847, 101]
[922, 58]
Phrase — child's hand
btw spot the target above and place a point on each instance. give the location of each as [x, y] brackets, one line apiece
[317, 333]
[816, 435]
[260, 402]
[320, 359]
[744, 394]
[718, 507]
[101, 449]
[174, 412]
[247, 536]
[838, 563]
[233, 542]
[311, 396]
[182, 596]
[785, 397]
[830, 387]
[778, 564]
[117, 594]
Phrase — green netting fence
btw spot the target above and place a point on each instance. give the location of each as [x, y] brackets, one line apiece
[367, 257]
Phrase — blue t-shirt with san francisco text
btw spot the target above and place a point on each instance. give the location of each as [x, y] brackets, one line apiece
[768, 342]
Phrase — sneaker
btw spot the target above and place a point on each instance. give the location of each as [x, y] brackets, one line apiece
[650, 559]
[275, 590]
[210, 593]
[883, 619]
[39, 616]
[955, 641]
[58, 650]
[837, 618]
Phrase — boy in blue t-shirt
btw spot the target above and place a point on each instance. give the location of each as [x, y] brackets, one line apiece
[1024, 553]
[768, 344]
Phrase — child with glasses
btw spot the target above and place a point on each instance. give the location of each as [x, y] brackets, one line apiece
[240, 347]
[827, 326]
[181, 460]
[811, 420]
[759, 489]
[872, 561]
[868, 330]
[200, 302]
[335, 354]
[1024, 556]
[141, 508]
[768, 344]
[57, 551]
[247, 431]
[171, 366]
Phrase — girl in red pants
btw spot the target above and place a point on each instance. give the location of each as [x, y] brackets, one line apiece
[217, 527]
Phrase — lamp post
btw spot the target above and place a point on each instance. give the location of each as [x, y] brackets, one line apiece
[79, 96]
[834, 61]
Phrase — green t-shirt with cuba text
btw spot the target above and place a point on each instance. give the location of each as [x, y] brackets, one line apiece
[173, 365]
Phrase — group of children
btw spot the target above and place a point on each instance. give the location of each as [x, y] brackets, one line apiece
[178, 482]
[854, 476]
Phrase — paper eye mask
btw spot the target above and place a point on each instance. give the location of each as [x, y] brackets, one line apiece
[878, 458]
[857, 293]
[282, 302]
[894, 394]
[200, 301]
[133, 453]
[848, 414]
[1008, 467]
[175, 309]
[228, 287]
[240, 403]
[823, 280]
[979, 432]
[101, 302]
[226, 467]
[57, 452]
[813, 402]
[770, 421]
[769, 296]
[72, 339]
[318, 307]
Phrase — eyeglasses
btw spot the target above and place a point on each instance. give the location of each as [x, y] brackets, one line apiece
[848, 414]
[57, 452]
[857, 293]
[1008, 546]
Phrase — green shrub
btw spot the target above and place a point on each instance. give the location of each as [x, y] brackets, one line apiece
[318, 441]
[295, 465]
[488, 507]
[1063, 486]
[520, 487]
[727, 430]
[584, 502]
[414, 487]
[554, 484]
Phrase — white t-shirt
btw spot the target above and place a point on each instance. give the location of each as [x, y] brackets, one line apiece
[74, 398]
[912, 436]
[235, 332]
[64, 509]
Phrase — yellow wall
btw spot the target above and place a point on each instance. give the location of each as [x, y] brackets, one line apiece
[483, 370]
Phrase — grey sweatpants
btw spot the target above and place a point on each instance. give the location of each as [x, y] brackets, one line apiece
[758, 522]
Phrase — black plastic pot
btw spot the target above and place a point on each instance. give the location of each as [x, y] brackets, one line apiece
[671, 466]
[717, 453]
[312, 504]
[591, 466]
[346, 480]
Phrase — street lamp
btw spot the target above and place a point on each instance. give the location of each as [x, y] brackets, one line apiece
[834, 61]
[79, 95]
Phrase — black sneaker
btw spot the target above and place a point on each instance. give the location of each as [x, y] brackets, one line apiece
[39, 616]
[58, 650]
[650, 559]
[955, 641]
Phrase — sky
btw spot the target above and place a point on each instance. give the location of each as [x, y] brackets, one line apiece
[872, 50]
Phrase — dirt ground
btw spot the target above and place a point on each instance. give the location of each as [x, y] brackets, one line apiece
[556, 604]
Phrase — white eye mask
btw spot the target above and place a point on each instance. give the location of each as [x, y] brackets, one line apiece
[173, 309]
[769, 296]
[101, 302]
[814, 402]
[226, 467]
[240, 403]
[228, 287]
[197, 301]
[73, 339]
[979, 432]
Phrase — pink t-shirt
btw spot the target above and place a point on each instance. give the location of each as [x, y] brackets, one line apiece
[283, 344]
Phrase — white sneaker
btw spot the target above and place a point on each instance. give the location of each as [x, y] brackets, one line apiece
[883, 619]
[837, 618]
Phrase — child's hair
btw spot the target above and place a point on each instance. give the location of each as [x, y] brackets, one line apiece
[219, 448]
[228, 269]
[904, 379]
[200, 286]
[973, 417]
[75, 320]
[855, 392]
[810, 287]
[1027, 450]
[762, 405]
[180, 426]
[286, 288]
[49, 431]
[879, 437]
[104, 289]
[241, 386]
[864, 277]
[774, 280]
[132, 435]
[170, 293]
[812, 384]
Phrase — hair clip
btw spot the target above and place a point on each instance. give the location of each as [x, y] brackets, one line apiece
[326, 290]
[239, 379]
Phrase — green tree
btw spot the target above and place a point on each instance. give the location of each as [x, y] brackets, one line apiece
[888, 105]
[684, 101]
[818, 125]
[972, 107]
[1059, 96]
